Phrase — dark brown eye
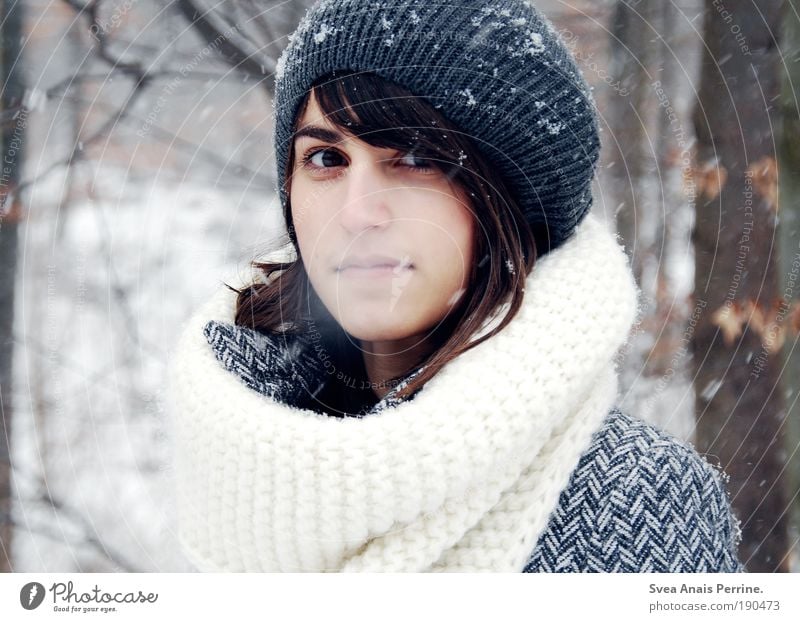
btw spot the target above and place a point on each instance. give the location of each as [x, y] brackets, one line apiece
[322, 158]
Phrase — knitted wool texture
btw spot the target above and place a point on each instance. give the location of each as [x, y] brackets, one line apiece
[497, 69]
[461, 478]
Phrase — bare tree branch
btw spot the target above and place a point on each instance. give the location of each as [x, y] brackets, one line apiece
[90, 536]
[261, 182]
[237, 50]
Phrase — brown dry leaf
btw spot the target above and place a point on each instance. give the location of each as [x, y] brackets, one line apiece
[754, 316]
[766, 324]
[10, 198]
[710, 178]
[765, 180]
[774, 337]
[795, 317]
[729, 319]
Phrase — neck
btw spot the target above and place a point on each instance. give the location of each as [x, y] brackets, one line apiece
[384, 360]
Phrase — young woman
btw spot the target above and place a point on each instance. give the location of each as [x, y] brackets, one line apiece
[423, 377]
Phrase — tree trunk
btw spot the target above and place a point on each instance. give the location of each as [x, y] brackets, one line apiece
[649, 140]
[789, 179]
[632, 52]
[741, 409]
[14, 119]
[248, 34]
[673, 204]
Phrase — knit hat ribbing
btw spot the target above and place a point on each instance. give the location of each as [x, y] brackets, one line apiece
[496, 69]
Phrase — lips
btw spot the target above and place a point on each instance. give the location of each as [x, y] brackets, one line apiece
[374, 261]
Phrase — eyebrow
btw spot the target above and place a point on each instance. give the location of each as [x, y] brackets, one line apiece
[320, 133]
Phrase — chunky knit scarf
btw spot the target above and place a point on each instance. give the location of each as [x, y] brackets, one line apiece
[462, 477]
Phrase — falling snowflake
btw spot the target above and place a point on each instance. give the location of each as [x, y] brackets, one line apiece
[414, 17]
[711, 389]
[456, 297]
[387, 24]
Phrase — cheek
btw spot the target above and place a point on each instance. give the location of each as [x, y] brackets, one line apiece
[450, 235]
[308, 229]
[299, 209]
[462, 228]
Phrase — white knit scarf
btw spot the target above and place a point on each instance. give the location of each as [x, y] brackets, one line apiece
[461, 478]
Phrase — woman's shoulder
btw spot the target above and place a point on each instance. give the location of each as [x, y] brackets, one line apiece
[640, 500]
[626, 447]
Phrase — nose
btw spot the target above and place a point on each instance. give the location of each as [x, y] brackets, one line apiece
[367, 198]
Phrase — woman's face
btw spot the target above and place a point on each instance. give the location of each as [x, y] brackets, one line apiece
[385, 238]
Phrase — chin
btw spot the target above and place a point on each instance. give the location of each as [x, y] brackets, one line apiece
[376, 331]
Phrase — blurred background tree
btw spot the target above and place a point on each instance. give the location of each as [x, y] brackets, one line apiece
[741, 410]
[788, 131]
[12, 139]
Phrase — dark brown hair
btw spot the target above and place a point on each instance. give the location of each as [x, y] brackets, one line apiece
[386, 115]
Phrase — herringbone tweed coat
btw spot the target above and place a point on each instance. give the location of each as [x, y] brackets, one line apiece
[640, 501]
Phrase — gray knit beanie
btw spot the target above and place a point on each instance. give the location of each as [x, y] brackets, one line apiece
[496, 68]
